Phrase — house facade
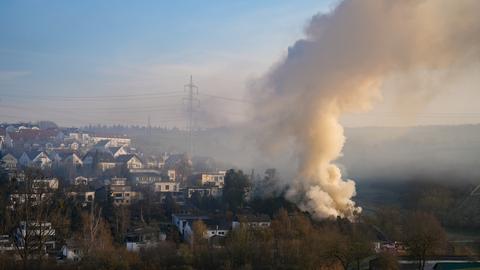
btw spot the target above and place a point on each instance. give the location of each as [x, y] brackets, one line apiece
[9, 162]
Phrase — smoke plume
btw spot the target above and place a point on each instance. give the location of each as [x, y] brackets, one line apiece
[340, 67]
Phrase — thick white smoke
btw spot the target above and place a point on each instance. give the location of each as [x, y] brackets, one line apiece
[340, 67]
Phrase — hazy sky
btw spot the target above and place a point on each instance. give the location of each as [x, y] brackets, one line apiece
[80, 62]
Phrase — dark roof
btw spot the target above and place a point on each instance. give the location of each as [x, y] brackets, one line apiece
[253, 218]
[216, 224]
[33, 134]
[113, 150]
[174, 159]
[102, 143]
[100, 155]
[126, 158]
[33, 154]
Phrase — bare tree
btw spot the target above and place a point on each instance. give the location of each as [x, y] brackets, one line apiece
[31, 207]
[95, 234]
[424, 236]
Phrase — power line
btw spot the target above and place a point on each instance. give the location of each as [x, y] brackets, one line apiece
[95, 98]
[192, 92]
[227, 98]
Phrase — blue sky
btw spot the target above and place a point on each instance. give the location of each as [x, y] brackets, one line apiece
[54, 51]
[88, 48]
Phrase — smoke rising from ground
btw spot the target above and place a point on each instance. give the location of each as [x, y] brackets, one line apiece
[341, 66]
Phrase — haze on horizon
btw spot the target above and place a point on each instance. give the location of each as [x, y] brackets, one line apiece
[118, 62]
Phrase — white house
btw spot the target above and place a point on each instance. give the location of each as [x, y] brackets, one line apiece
[42, 160]
[252, 221]
[215, 228]
[144, 238]
[167, 186]
[115, 140]
[9, 162]
[51, 183]
[131, 161]
[216, 179]
[213, 191]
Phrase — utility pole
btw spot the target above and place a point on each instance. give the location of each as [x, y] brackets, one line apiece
[192, 92]
[149, 128]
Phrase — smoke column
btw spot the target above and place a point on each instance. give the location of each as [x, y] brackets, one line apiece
[339, 67]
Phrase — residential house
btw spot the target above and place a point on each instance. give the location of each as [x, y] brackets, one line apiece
[39, 234]
[102, 145]
[6, 244]
[145, 176]
[217, 179]
[42, 160]
[82, 195]
[172, 175]
[105, 161]
[71, 159]
[117, 151]
[122, 193]
[215, 229]
[167, 187]
[45, 184]
[143, 238]
[251, 221]
[80, 180]
[9, 162]
[204, 191]
[130, 161]
[25, 160]
[180, 221]
[115, 139]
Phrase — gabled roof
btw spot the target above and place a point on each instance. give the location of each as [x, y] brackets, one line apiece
[32, 154]
[9, 155]
[114, 150]
[100, 155]
[216, 224]
[102, 143]
[33, 134]
[126, 158]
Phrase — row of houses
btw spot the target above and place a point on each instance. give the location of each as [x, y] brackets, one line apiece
[48, 159]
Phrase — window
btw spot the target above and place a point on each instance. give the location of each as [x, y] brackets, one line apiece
[167, 187]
